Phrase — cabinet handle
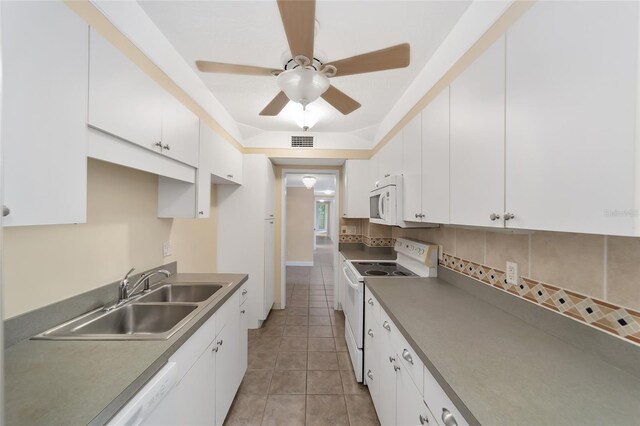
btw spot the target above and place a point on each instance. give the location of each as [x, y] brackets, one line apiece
[370, 332]
[422, 215]
[423, 420]
[243, 311]
[220, 342]
[215, 349]
[201, 212]
[494, 216]
[6, 211]
[396, 368]
[509, 216]
[387, 175]
[386, 325]
[271, 222]
[230, 176]
[391, 359]
[417, 215]
[244, 291]
[167, 147]
[406, 355]
[370, 301]
[370, 374]
[448, 418]
[159, 145]
[270, 215]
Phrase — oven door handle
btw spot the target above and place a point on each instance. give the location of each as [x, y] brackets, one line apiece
[345, 270]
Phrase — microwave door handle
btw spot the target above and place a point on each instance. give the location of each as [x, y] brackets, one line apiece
[381, 206]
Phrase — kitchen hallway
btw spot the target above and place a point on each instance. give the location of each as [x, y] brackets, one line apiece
[299, 370]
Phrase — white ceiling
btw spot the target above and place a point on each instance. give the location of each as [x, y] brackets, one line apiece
[251, 33]
[324, 182]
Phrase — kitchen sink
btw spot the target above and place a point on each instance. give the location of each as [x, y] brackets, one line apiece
[182, 293]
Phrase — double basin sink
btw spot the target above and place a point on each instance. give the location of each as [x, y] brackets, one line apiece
[154, 315]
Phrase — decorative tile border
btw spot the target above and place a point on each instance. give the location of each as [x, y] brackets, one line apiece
[368, 241]
[621, 322]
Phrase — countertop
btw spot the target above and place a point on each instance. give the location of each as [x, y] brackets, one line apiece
[359, 252]
[500, 370]
[87, 382]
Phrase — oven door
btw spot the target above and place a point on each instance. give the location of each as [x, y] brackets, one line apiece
[378, 204]
[353, 304]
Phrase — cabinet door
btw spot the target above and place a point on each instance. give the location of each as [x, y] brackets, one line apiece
[388, 365]
[180, 131]
[412, 166]
[372, 357]
[572, 90]
[269, 267]
[227, 161]
[270, 195]
[411, 409]
[190, 402]
[477, 140]
[435, 160]
[374, 171]
[123, 100]
[45, 71]
[356, 189]
[227, 366]
[243, 342]
[391, 157]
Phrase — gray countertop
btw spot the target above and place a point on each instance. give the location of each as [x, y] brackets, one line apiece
[87, 382]
[360, 252]
[500, 370]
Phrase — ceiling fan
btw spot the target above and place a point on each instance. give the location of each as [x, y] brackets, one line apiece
[305, 78]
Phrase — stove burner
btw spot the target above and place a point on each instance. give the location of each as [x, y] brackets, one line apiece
[400, 274]
[365, 263]
[376, 272]
[387, 263]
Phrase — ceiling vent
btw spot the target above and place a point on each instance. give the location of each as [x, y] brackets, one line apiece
[302, 141]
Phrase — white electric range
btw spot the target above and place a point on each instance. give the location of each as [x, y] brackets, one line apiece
[414, 259]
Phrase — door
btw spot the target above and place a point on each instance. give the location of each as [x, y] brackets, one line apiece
[477, 140]
[410, 408]
[413, 169]
[435, 160]
[269, 267]
[180, 131]
[391, 157]
[572, 90]
[388, 390]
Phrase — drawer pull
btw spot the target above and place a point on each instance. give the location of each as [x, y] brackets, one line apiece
[370, 332]
[370, 301]
[386, 325]
[243, 311]
[244, 292]
[220, 342]
[370, 374]
[448, 418]
[396, 368]
[406, 355]
[423, 420]
[391, 359]
[215, 349]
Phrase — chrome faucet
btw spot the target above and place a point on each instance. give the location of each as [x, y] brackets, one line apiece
[125, 293]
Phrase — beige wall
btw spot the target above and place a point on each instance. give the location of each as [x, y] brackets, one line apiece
[300, 210]
[45, 264]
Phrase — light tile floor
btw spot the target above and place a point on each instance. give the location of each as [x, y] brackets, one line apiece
[299, 371]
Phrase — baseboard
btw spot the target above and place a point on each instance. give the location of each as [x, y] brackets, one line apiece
[300, 263]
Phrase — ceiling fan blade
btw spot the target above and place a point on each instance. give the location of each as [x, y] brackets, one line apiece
[340, 101]
[276, 105]
[299, 21]
[384, 59]
[219, 67]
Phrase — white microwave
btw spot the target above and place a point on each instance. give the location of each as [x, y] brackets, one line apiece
[385, 202]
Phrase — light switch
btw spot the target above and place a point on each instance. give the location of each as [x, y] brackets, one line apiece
[166, 249]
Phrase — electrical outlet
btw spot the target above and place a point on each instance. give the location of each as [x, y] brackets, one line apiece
[512, 273]
[348, 230]
[166, 249]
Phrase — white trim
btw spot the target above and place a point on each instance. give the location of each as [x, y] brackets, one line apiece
[299, 263]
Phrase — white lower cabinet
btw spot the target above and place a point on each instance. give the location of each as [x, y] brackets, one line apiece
[402, 389]
[208, 368]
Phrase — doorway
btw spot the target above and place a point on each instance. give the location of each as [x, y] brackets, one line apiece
[309, 237]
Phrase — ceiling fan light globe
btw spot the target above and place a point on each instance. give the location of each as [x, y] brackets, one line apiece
[303, 85]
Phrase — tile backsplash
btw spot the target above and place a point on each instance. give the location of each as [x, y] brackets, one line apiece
[599, 275]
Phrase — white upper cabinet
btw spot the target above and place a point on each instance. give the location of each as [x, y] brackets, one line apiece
[374, 171]
[227, 161]
[435, 160]
[45, 71]
[125, 102]
[572, 96]
[355, 189]
[412, 166]
[477, 140]
[390, 157]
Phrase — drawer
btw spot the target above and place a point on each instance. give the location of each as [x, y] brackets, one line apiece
[439, 402]
[244, 294]
[371, 303]
[228, 311]
[190, 351]
[405, 353]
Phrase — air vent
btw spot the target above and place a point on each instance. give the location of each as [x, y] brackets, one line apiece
[302, 141]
